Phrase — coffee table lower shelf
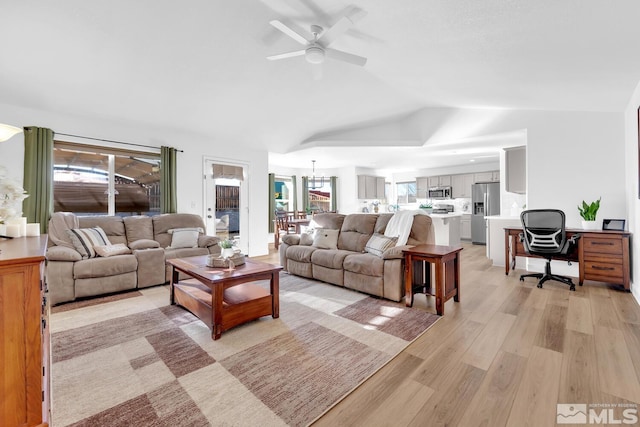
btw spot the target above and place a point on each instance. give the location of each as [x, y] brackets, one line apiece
[240, 304]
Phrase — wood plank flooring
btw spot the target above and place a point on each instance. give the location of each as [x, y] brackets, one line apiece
[505, 355]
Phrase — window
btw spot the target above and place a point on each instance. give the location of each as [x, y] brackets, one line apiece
[406, 192]
[91, 180]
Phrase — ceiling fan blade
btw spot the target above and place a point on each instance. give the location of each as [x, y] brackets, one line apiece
[286, 55]
[346, 57]
[289, 31]
[336, 31]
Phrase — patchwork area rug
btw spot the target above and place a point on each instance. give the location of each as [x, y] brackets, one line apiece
[136, 360]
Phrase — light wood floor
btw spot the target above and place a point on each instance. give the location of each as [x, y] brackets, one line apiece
[506, 354]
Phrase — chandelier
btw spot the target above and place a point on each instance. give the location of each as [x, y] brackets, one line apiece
[314, 182]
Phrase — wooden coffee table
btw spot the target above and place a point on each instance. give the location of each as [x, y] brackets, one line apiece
[224, 298]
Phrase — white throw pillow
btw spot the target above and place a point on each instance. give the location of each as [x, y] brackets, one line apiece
[325, 238]
[110, 250]
[379, 243]
[184, 239]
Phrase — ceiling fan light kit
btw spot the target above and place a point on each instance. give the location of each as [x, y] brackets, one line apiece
[318, 48]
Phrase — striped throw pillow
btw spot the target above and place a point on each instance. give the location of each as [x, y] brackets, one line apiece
[84, 240]
[379, 243]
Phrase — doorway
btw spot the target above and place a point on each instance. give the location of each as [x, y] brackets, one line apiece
[226, 201]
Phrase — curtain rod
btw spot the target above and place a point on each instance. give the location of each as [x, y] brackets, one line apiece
[111, 140]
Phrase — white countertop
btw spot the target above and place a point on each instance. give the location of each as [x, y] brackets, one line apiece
[449, 215]
[503, 217]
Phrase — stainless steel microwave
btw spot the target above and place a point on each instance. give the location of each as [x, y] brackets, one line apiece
[440, 193]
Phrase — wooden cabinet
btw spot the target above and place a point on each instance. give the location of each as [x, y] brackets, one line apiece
[490, 176]
[516, 170]
[604, 257]
[371, 187]
[24, 333]
[461, 185]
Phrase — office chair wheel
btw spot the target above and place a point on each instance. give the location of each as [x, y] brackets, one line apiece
[572, 287]
[540, 285]
[521, 279]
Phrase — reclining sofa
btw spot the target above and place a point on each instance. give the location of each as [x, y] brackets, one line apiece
[95, 255]
[357, 261]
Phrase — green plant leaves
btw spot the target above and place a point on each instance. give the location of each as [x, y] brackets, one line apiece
[588, 211]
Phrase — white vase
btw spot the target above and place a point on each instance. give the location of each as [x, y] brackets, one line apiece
[590, 225]
[227, 252]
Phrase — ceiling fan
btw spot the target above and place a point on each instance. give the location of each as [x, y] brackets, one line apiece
[317, 48]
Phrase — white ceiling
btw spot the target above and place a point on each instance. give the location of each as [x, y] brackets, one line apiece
[200, 65]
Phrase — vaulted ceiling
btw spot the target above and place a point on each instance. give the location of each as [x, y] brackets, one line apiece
[200, 65]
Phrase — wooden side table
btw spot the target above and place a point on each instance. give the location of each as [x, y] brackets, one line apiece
[447, 275]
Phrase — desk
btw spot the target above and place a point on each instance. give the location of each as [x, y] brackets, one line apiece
[447, 276]
[603, 256]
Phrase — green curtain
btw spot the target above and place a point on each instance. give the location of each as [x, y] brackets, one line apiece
[295, 193]
[272, 201]
[305, 193]
[168, 168]
[38, 175]
[334, 195]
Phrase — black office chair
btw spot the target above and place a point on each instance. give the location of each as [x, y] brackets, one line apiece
[544, 235]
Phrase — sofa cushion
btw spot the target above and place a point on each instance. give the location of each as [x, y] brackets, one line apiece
[330, 258]
[104, 267]
[366, 264]
[111, 250]
[325, 238]
[84, 240]
[355, 232]
[379, 243]
[300, 253]
[165, 222]
[420, 231]
[144, 244]
[185, 252]
[381, 222]
[113, 226]
[327, 220]
[138, 228]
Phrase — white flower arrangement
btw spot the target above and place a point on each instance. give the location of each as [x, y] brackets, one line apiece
[11, 196]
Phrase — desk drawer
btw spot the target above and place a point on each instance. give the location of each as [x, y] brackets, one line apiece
[602, 245]
[599, 270]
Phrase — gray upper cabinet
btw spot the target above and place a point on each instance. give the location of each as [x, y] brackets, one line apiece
[422, 185]
[516, 169]
[490, 176]
[370, 187]
[461, 185]
[440, 181]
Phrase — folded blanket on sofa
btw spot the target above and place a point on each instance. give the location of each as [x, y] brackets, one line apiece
[400, 225]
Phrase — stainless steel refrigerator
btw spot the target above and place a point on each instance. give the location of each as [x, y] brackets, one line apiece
[485, 201]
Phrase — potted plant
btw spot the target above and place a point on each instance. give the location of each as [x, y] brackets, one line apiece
[227, 248]
[588, 212]
[427, 207]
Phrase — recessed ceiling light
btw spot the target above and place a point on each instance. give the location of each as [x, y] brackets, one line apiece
[472, 160]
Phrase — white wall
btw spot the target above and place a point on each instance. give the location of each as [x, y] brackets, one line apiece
[631, 173]
[190, 174]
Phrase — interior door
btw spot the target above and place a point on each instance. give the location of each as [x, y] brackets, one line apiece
[226, 202]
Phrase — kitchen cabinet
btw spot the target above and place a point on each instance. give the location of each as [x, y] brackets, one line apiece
[490, 176]
[371, 187]
[461, 185]
[24, 333]
[516, 170]
[465, 227]
[422, 185]
[440, 181]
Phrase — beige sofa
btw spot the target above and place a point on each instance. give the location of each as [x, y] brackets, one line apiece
[147, 241]
[351, 264]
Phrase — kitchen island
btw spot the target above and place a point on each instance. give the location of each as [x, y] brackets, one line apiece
[446, 228]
